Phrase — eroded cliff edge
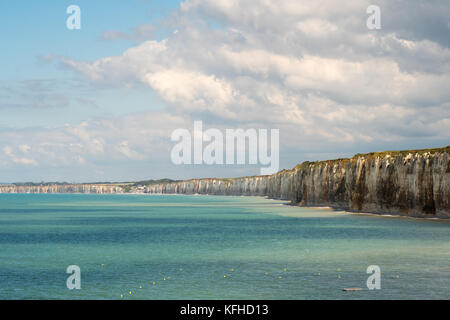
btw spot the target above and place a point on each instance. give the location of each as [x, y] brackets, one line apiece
[413, 183]
[407, 183]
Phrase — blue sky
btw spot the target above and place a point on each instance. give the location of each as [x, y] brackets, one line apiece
[100, 103]
[33, 29]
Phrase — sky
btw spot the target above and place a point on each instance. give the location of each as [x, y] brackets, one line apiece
[100, 103]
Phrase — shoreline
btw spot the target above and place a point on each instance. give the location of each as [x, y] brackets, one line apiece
[373, 214]
[283, 202]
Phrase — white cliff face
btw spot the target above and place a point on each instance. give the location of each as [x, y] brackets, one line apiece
[413, 185]
[60, 188]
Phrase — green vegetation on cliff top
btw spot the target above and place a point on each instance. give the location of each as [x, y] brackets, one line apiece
[371, 155]
[402, 152]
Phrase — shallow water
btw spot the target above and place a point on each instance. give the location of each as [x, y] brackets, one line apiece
[212, 247]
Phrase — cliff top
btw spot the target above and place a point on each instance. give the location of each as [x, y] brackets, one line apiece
[370, 155]
[402, 152]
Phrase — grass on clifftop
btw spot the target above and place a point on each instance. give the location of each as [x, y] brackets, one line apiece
[380, 154]
[402, 152]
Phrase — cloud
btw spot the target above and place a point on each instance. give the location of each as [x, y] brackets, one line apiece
[34, 93]
[140, 33]
[266, 65]
[24, 148]
[125, 149]
[115, 35]
[8, 151]
[310, 68]
[141, 136]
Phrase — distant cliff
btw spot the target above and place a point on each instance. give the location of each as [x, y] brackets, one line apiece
[413, 183]
[62, 188]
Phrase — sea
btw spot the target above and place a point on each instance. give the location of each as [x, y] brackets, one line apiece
[213, 247]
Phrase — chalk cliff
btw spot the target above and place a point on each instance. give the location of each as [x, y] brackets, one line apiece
[407, 183]
[62, 188]
[413, 183]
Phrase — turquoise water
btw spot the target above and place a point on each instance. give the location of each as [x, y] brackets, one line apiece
[211, 247]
